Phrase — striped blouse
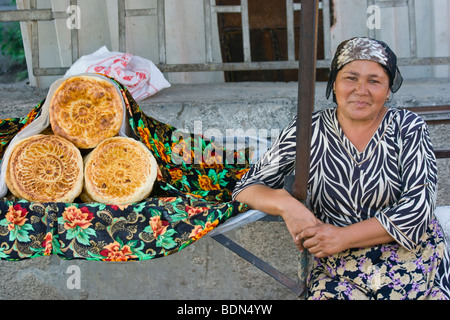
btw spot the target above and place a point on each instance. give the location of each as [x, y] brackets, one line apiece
[393, 179]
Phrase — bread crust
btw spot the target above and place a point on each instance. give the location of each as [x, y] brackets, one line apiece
[86, 110]
[45, 168]
[119, 170]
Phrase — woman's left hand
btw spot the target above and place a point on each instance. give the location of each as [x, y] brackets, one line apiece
[326, 239]
[323, 240]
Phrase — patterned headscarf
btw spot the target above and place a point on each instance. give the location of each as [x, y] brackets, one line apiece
[363, 48]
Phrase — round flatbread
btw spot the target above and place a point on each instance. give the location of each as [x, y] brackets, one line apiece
[119, 170]
[86, 110]
[45, 168]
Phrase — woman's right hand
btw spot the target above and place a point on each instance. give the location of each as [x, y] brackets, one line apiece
[279, 202]
[298, 218]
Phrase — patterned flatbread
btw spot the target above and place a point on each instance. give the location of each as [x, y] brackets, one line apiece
[45, 168]
[119, 170]
[86, 110]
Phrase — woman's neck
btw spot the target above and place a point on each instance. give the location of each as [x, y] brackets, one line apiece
[359, 132]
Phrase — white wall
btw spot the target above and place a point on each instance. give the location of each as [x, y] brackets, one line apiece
[433, 36]
[185, 37]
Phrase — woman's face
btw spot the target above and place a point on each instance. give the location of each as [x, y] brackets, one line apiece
[361, 89]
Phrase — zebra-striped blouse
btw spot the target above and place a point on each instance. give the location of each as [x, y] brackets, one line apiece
[393, 179]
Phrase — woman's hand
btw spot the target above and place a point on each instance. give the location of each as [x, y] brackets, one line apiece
[298, 219]
[323, 240]
[279, 202]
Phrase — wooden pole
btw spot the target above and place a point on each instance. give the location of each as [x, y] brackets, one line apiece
[306, 90]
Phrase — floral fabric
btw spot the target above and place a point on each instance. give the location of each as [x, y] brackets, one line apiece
[386, 271]
[192, 196]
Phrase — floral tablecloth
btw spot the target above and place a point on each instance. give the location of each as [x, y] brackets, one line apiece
[192, 196]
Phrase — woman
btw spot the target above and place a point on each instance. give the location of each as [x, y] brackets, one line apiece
[369, 221]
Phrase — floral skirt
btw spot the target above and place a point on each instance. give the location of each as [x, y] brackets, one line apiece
[191, 197]
[386, 271]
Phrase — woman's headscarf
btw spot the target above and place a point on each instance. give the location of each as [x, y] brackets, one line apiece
[363, 48]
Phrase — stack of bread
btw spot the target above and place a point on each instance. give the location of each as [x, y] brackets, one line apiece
[86, 113]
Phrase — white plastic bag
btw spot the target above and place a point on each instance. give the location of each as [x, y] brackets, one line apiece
[141, 77]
